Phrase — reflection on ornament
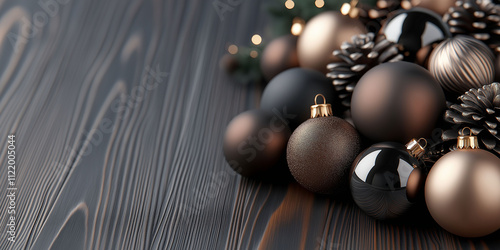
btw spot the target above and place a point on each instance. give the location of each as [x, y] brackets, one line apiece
[387, 178]
[414, 29]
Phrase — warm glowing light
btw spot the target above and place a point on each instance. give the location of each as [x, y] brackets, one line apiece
[345, 9]
[233, 49]
[254, 54]
[319, 3]
[256, 39]
[289, 4]
[297, 26]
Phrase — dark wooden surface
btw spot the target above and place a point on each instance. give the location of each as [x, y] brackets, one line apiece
[111, 155]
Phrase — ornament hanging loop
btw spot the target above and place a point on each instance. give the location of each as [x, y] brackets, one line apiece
[321, 110]
[467, 141]
[415, 148]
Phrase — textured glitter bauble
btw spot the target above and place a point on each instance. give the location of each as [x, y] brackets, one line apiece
[397, 102]
[290, 94]
[279, 55]
[462, 192]
[255, 142]
[379, 180]
[438, 6]
[461, 63]
[322, 35]
[414, 30]
[320, 153]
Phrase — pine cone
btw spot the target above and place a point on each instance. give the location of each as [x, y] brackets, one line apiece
[358, 57]
[479, 109]
[477, 18]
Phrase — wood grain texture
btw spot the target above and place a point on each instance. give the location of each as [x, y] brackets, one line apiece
[119, 109]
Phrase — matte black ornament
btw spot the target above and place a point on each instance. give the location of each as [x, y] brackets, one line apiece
[388, 178]
[255, 143]
[415, 29]
[292, 90]
[321, 150]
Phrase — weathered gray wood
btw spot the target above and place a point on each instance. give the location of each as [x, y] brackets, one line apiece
[100, 168]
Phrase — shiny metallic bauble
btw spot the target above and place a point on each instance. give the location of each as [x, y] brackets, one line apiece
[461, 63]
[462, 192]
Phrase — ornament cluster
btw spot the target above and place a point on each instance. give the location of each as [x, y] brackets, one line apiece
[392, 102]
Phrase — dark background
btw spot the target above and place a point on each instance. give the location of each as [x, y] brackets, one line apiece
[119, 108]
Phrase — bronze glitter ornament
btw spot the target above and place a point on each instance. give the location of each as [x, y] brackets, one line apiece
[279, 55]
[396, 102]
[477, 18]
[321, 150]
[388, 178]
[462, 190]
[322, 35]
[461, 63]
[439, 6]
[255, 143]
[359, 56]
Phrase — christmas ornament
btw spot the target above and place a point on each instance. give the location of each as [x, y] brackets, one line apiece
[292, 90]
[321, 151]
[278, 56]
[229, 63]
[396, 102]
[440, 7]
[357, 58]
[461, 63]
[415, 29]
[477, 18]
[462, 190]
[322, 35]
[255, 142]
[478, 109]
[387, 178]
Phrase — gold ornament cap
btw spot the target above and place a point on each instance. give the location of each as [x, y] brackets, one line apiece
[321, 110]
[467, 141]
[415, 148]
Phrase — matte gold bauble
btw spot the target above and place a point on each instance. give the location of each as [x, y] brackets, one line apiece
[322, 35]
[438, 6]
[278, 56]
[462, 191]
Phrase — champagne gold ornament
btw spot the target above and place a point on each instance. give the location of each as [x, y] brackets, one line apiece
[462, 190]
[461, 63]
[321, 150]
[279, 55]
[322, 35]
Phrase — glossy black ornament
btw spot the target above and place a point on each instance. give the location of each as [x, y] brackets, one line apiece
[415, 29]
[386, 180]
